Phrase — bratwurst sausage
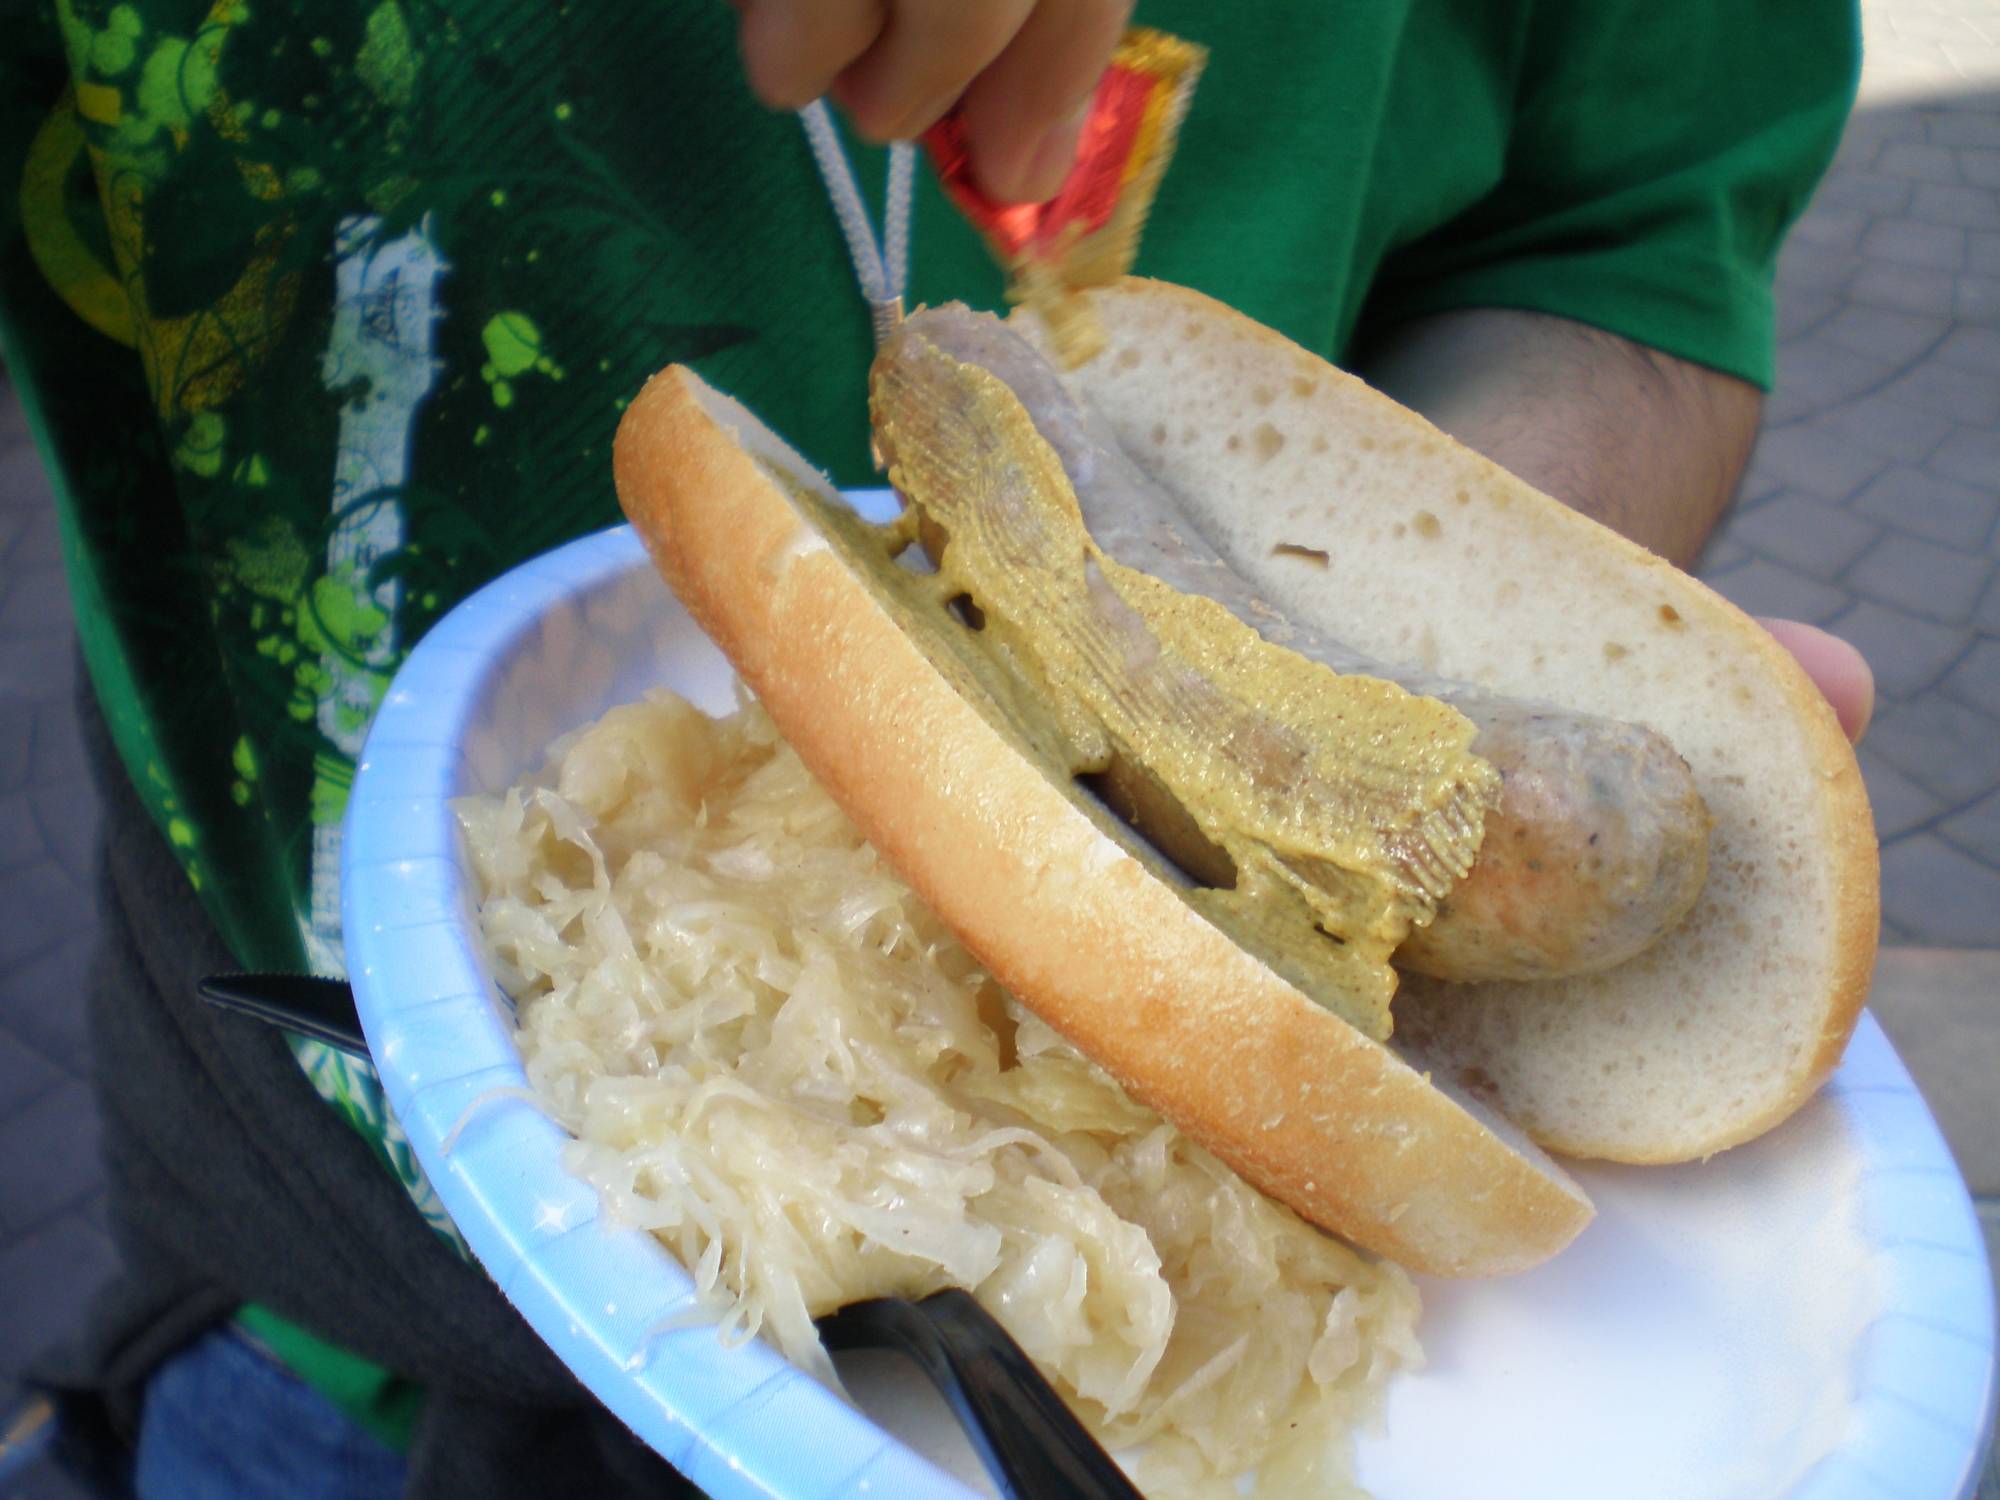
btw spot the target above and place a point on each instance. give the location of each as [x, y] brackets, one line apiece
[1598, 843]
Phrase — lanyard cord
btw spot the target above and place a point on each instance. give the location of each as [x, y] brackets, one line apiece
[881, 267]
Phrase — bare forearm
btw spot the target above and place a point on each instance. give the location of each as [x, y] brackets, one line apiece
[1650, 445]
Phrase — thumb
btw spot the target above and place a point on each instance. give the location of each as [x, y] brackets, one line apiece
[1835, 666]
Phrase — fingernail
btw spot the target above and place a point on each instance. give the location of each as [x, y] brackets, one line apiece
[1049, 166]
[1865, 712]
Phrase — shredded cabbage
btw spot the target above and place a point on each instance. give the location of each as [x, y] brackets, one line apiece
[774, 1058]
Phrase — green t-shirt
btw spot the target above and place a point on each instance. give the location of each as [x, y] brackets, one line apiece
[325, 314]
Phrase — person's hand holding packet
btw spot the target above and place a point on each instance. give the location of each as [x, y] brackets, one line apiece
[1021, 73]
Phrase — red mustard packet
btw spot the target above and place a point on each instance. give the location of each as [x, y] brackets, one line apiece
[1088, 234]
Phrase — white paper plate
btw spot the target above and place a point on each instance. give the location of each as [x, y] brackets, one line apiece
[1807, 1316]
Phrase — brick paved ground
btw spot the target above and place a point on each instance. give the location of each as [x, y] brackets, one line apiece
[1872, 506]
[54, 1246]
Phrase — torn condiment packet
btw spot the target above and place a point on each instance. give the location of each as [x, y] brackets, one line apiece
[1088, 234]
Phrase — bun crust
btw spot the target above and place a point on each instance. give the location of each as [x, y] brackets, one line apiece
[1356, 516]
[1053, 902]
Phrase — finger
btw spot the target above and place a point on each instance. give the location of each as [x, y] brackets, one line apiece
[794, 49]
[927, 53]
[1839, 670]
[1024, 114]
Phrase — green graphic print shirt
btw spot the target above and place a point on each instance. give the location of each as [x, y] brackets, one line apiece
[325, 314]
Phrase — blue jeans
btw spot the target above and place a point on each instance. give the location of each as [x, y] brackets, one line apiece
[225, 1421]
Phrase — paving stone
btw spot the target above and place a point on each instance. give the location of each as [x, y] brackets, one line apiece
[1721, 557]
[1809, 268]
[1857, 152]
[97, 1209]
[35, 605]
[13, 522]
[1881, 127]
[21, 841]
[1977, 829]
[1905, 81]
[1979, 167]
[47, 1278]
[1894, 431]
[17, 739]
[25, 1075]
[1898, 803]
[1765, 588]
[1973, 57]
[1976, 299]
[24, 484]
[1975, 679]
[1907, 243]
[1933, 388]
[1976, 349]
[1835, 228]
[1910, 289]
[1812, 459]
[1973, 61]
[1893, 85]
[1988, 616]
[1930, 506]
[41, 904]
[1815, 376]
[31, 669]
[1920, 163]
[1947, 128]
[67, 821]
[59, 754]
[1942, 1010]
[44, 999]
[40, 543]
[13, 417]
[1755, 488]
[1950, 750]
[1933, 888]
[1969, 456]
[1907, 654]
[1963, 207]
[1906, 23]
[1807, 536]
[1939, 583]
[1982, 253]
[1723, 552]
[1893, 936]
[1874, 193]
[1800, 312]
[49, 1157]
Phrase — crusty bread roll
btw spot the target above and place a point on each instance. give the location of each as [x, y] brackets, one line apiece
[1356, 516]
[1363, 520]
[1061, 903]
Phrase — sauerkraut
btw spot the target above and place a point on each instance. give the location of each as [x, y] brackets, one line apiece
[777, 1060]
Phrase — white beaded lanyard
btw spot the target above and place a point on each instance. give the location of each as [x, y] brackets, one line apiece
[882, 267]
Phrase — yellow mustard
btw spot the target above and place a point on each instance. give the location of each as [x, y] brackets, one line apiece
[1323, 814]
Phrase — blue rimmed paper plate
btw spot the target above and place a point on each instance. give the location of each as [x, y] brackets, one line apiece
[1807, 1316]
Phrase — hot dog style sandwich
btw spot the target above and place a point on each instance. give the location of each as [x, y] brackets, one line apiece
[1370, 815]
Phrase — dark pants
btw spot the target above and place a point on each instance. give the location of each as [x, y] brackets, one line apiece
[225, 1421]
